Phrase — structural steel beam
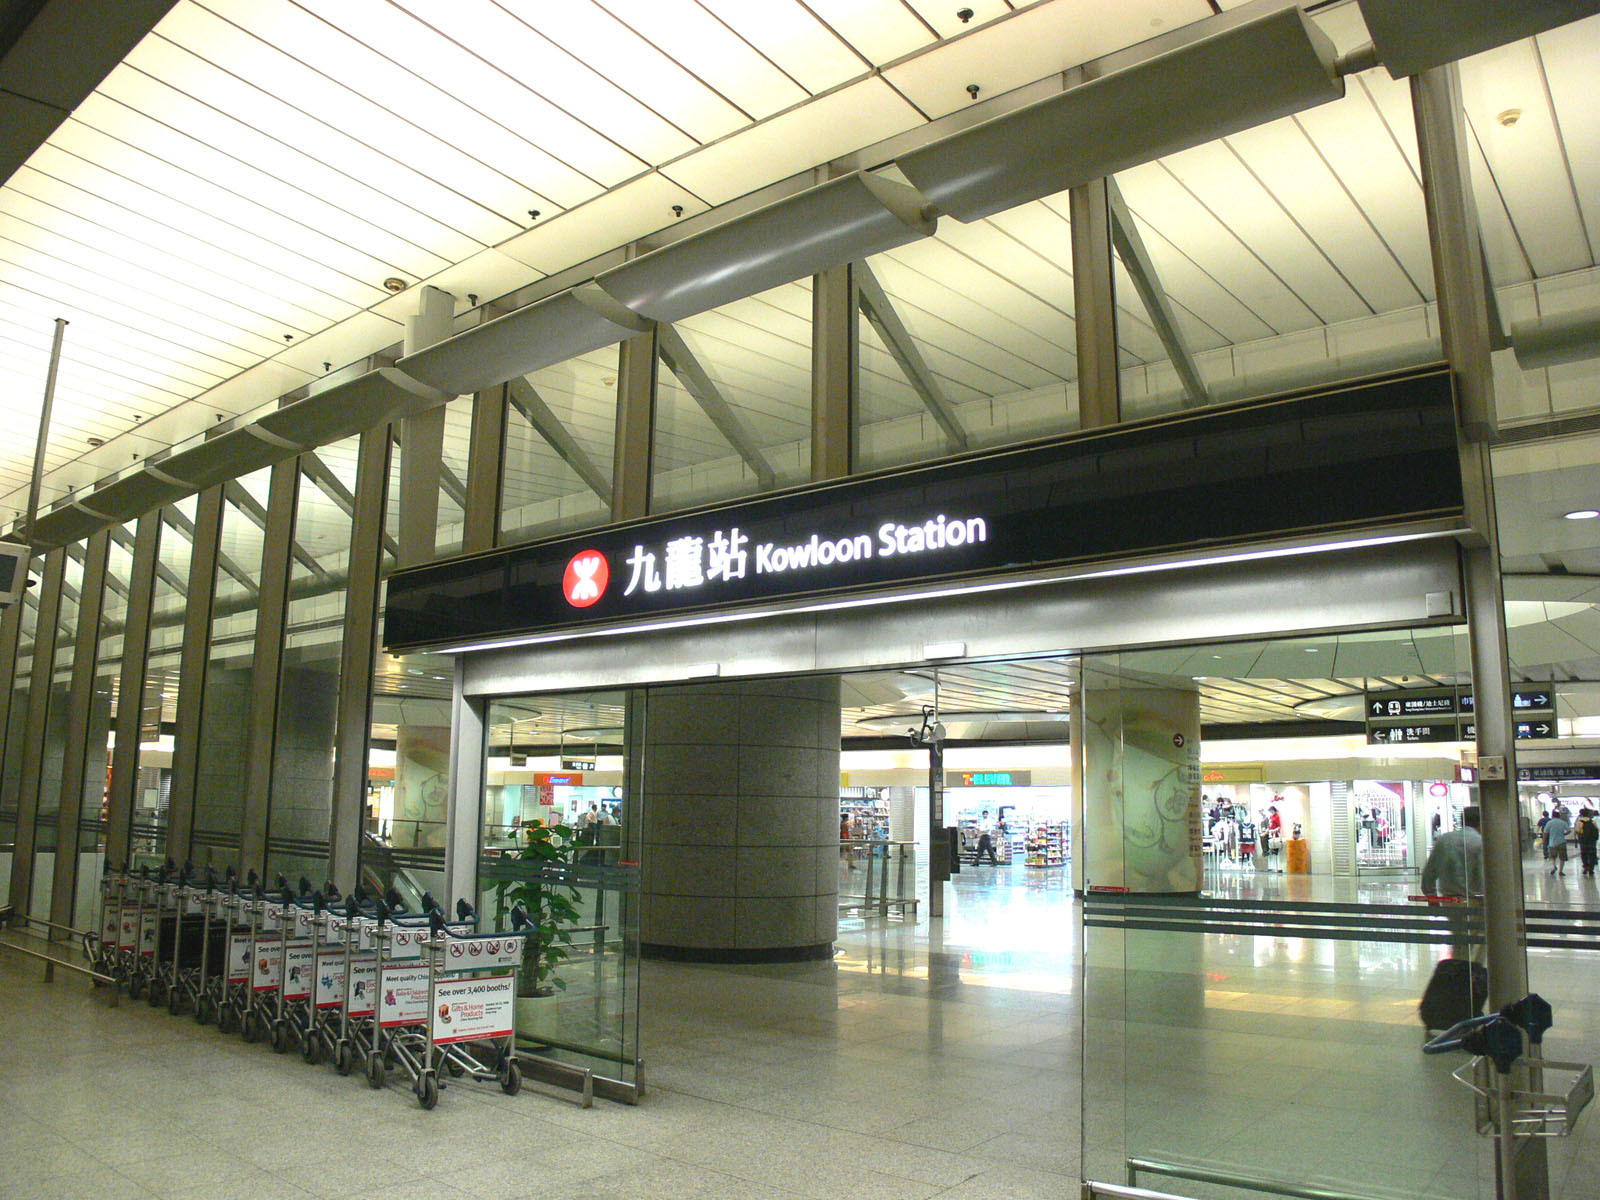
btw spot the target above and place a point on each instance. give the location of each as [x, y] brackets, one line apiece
[187, 527]
[486, 465]
[902, 347]
[205, 559]
[681, 362]
[1136, 259]
[527, 401]
[331, 486]
[40, 686]
[130, 687]
[835, 370]
[239, 496]
[164, 573]
[633, 453]
[1094, 294]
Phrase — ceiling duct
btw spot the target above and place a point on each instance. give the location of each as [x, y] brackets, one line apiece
[1412, 37]
[219, 459]
[364, 403]
[564, 326]
[133, 495]
[1555, 341]
[64, 525]
[835, 222]
[1247, 66]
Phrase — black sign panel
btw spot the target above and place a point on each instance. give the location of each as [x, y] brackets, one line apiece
[1412, 735]
[1357, 458]
[1537, 729]
[1557, 773]
[1419, 702]
[1533, 700]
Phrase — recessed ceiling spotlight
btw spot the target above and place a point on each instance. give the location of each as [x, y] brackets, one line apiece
[608, 380]
[1509, 117]
[394, 284]
[96, 441]
[1582, 514]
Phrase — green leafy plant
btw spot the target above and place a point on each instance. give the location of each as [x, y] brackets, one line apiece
[550, 902]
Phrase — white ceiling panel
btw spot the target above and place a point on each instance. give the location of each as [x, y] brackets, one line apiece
[1030, 45]
[594, 36]
[1525, 158]
[1296, 176]
[622, 215]
[330, 214]
[1194, 230]
[705, 46]
[516, 49]
[1234, 195]
[345, 342]
[326, 266]
[116, 233]
[880, 30]
[488, 275]
[941, 15]
[511, 125]
[1360, 148]
[1569, 55]
[826, 128]
[203, 126]
[29, 320]
[793, 38]
[89, 366]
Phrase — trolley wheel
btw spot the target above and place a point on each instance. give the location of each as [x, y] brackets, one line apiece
[135, 986]
[249, 1027]
[375, 1070]
[427, 1089]
[310, 1050]
[154, 992]
[343, 1059]
[511, 1077]
[174, 1001]
[456, 1069]
[227, 1022]
[279, 1036]
[202, 1010]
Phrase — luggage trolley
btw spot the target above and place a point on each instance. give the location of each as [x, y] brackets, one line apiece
[233, 992]
[143, 929]
[260, 1007]
[190, 946]
[319, 1033]
[104, 950]
[350, 931]
[298, 917]
[472, 1004]
[405, 988]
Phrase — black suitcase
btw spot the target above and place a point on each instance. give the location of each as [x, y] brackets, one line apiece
[1457, 991]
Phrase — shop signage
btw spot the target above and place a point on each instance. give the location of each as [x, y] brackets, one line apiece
[577, 764]
[1236, 773]
[974, 779]
[550, 779]
[1559, 773]
[1146, 489]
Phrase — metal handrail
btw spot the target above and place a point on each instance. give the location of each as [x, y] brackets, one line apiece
[56, 962]
[1251, 1183]
[1116, 1191]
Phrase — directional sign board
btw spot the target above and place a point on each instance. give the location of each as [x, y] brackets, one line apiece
[1412, 735]
[1416, 716]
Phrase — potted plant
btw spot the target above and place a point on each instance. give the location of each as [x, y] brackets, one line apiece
[549, 903]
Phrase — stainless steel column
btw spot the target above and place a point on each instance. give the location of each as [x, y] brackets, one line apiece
[39, 688]
[130, 688]
[631, 461]
[464, 818]
[266, 678]
[1464, 324]
[422, 440]
[486, 468]
[1094, 307]
[358, 655]
[835, 371]
[10, 638]
[80, 713]
[194, 658]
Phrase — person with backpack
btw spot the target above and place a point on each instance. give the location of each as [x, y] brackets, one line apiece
[1588, 841]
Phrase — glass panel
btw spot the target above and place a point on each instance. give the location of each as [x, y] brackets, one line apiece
[16, 725]
[47, 816]
[977, 325]
[108, 665]
[553, 842]
[733, 400]
[225, 702]
[308, 704]
[1252, 984]
[408, 776]
[454, 463]
[158, 710]
[1291, 255]
[546, 489]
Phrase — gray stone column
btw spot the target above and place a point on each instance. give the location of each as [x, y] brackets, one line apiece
[1141, 756]
[740, 850]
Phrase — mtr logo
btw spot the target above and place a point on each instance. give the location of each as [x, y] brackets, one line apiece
[586, 578]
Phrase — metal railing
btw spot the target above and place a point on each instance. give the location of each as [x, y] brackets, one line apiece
[8, 919]
[1196, 1173]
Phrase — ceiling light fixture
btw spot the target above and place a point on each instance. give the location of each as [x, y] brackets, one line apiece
[394, 284]
[1509, 117]
[96, 441]
[1582, 514]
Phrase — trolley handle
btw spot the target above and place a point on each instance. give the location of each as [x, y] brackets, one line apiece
[1492, 1036]
[1532, 1014]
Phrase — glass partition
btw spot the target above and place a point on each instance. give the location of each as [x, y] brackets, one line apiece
[1291, 255]
[967, 338]
[733, 400]
[560, 427]
[16, 726]
[102, 710]
[558, 817]
[1251, 991]
[158, 706]
[301, 805]
[58, 678]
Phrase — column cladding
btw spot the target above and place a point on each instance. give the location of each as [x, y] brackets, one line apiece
[740, 853]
